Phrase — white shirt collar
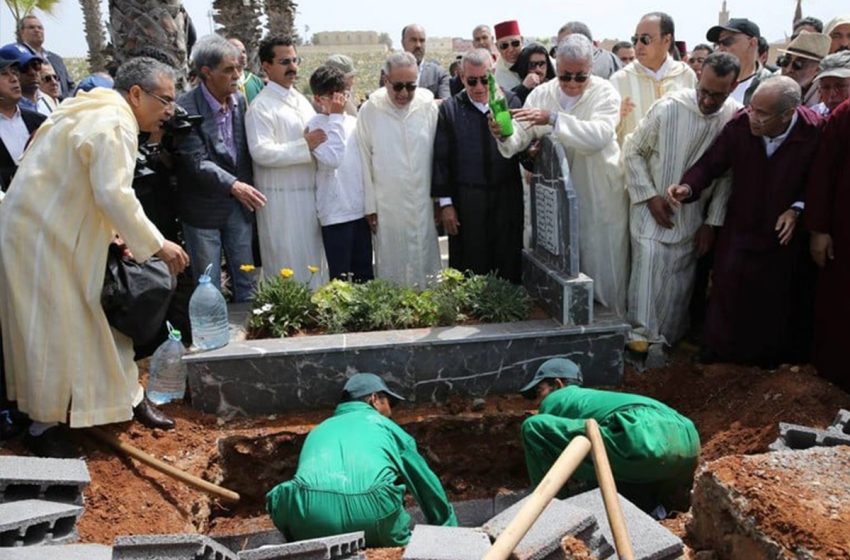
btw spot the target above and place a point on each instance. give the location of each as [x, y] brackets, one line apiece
[772, 144]
[17, 114]
[285, 92]
[661, 72]
[483, 107]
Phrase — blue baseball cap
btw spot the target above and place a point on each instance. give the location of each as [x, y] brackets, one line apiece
[363, 384]
[93, 81]
[19, 53]
[5, 63]
[556, 368]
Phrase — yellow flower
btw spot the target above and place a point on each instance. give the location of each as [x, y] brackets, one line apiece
[313, 269]
[247, 268]
[286, 272]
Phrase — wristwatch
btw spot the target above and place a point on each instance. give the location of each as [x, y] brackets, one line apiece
[797, 210]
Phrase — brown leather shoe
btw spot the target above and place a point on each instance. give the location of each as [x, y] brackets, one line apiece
[152, 417]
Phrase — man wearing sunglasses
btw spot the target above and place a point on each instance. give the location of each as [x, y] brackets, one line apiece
[672, 136]
[799, 61]
[605, 63]
[48, 84]
[395, 131]
[740, 36]
[282, 147]
[757, 313]
[582, 111]
[509, 42]
[652, 75]
[479, 190]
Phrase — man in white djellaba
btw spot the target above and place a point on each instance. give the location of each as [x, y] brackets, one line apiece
[282, 150]
[395, 131]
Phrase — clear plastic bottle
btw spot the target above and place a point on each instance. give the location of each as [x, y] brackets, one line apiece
[167, 374]
[208, 315]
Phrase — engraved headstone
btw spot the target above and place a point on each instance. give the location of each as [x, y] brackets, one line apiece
[551, 267]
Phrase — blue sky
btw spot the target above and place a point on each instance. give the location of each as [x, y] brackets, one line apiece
[606, 18]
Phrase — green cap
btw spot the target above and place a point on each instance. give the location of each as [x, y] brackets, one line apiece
[363, 384]
[342, 63]
[556, 368]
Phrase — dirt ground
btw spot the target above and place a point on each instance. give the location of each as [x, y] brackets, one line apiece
[475, 449]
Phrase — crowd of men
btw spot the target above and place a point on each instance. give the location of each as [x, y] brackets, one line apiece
[715, 164]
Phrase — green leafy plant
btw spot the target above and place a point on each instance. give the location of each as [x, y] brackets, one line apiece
[282, 306]
[495, 300]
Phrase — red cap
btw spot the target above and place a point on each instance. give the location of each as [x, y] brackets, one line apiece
[506, 29]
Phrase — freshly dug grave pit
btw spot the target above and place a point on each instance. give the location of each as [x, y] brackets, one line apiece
[736, 410]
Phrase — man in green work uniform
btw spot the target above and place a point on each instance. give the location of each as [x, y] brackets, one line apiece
[353, 472]
[652, 449]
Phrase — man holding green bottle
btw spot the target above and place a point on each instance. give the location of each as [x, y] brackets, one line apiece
[653, 450]
[353, 472]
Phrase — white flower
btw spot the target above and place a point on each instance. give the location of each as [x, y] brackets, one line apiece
[266, 307]
[257, 311]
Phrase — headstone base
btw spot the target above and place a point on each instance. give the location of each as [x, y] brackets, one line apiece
[567, 300]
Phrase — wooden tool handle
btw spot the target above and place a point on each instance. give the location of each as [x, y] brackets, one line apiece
[609, 492]
[558, 474]
[182, 476]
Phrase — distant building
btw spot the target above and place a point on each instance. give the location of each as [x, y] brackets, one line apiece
[460, 45]
[345, 38]
[723, 16]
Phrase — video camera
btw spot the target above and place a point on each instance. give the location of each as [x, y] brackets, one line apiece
[174, 130]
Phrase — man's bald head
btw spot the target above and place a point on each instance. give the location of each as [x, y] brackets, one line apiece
[773, 105]
[413, 41]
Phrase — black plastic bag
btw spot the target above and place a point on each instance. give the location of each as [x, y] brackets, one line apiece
[135, 295]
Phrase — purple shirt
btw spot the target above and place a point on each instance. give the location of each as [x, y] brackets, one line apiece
[223, 119]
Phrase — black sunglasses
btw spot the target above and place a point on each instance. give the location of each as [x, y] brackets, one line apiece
[50, 78]
[536, 63]
[472, 81]
[579, 77]
[289, 61]
[409, 86]
[646, 39]
[784, 61]
[515, 43]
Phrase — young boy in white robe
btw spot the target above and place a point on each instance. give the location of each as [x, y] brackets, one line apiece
[339, 181]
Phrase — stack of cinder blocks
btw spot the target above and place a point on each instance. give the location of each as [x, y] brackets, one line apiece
[582, 517]
[793, 436]
[40, 503]
[266, 545]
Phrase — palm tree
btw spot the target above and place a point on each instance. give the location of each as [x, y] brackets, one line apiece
[95, 34]
[240, 19]
[23, 8]
[281, 17]
[142, 24]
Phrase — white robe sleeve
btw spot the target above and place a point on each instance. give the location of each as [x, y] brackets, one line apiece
[111, 157]
[637, 150]
[588, 137]
[265, 150]
[364, 143]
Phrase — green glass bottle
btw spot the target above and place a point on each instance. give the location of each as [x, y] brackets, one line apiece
[499, 107]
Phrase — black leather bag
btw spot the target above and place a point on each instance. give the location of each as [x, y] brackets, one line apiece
[135, 295]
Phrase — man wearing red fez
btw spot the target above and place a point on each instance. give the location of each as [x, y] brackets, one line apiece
[509, 42]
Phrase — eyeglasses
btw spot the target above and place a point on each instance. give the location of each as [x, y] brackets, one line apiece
[646, 39]
[579, 77]
[473, 81]
[727, 42]
[505, 44]
[409, 86]
[536, 63]
[718, 96]
[163, 100]
[289, 61]
[796, 63]
[50, 78]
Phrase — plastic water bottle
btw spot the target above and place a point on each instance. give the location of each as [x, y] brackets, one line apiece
[167, 375]
[208, 315]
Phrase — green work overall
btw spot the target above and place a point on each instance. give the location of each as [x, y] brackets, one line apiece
[352, 474]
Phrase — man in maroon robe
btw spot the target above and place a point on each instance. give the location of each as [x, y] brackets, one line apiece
[757, 300]
[827, 210]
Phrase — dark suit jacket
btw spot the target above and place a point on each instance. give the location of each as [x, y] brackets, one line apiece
[433, 77]
[32, 120]
[204, 168]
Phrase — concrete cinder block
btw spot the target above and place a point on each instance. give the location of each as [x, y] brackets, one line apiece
[170, 547]
[333, 547]
[469, 513]
[248, 541]
[55, 480]
[792, 436]
[504, 500]
[650, 540]
[64, 552]
[841, 422]
[558, 520]
[36, 522]
[430, 542]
